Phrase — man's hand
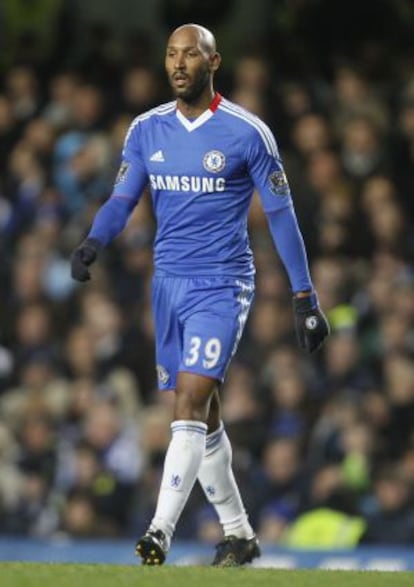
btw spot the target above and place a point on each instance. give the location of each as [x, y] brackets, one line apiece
[311, 324]
[83, 257]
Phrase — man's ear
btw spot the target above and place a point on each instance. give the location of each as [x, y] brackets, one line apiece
[215, 61]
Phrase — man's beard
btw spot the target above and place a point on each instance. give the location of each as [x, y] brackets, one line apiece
[194, 91]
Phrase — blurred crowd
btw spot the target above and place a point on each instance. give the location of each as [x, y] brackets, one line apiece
[323, 446]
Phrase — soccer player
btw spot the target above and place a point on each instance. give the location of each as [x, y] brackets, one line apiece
[202, 156]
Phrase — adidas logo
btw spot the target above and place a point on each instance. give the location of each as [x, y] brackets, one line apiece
[157, 156]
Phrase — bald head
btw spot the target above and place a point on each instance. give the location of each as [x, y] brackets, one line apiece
[199, 34]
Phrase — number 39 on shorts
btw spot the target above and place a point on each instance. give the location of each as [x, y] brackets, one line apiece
[207, 352]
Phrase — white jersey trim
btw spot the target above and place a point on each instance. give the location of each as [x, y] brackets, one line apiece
[262, 128]
[158, 111]
[191, 125]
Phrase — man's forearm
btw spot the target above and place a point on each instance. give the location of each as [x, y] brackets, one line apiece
[289, 243]
[111, 219]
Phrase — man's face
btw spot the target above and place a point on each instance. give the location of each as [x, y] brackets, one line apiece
[188, 65]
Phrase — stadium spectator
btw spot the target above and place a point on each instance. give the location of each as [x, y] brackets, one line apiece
[391, 520]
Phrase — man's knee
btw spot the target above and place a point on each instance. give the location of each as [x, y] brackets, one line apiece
[193, 397]
[214, 412]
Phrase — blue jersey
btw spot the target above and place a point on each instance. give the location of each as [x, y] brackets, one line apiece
[201, 174]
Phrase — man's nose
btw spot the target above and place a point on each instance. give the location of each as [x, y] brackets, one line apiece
[179, 62]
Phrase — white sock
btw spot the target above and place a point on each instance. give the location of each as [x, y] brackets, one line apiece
[217, 480]
[181, 466]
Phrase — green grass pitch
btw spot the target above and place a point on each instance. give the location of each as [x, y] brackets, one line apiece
[69, 575]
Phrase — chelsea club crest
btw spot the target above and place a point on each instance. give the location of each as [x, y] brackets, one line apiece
[214, 161]
[162, 374]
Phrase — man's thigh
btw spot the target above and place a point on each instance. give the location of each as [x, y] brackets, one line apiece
[166, 293]
[198, 325]
[213, 323]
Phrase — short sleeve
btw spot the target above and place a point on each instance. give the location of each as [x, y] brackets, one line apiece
[266, 169]
[132, 176]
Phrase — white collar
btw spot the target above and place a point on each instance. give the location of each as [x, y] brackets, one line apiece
[191, 125]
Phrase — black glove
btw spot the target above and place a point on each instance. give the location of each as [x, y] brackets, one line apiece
[84, 256]
[311, 325]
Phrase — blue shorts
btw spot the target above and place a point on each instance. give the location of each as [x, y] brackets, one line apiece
[198, 324]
